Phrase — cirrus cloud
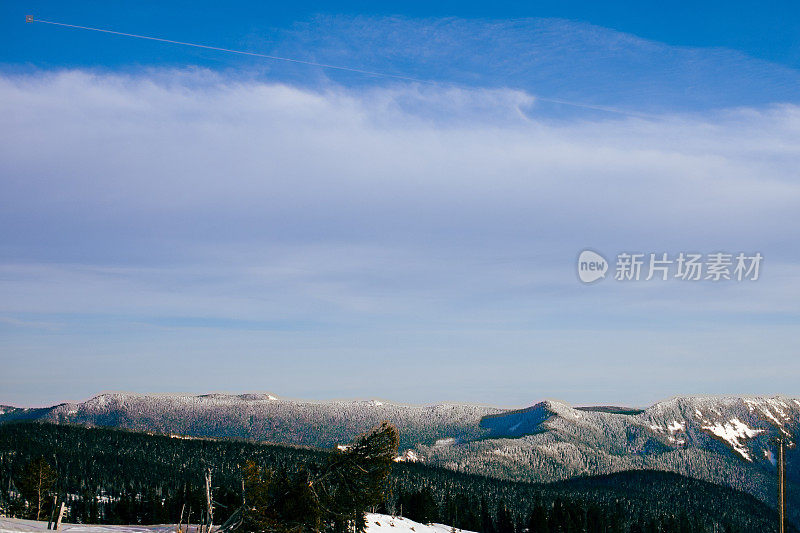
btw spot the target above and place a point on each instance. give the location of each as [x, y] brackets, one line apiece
[188, 213]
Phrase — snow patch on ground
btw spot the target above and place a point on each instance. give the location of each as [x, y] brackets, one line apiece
[409, 456]
[381, 523]
[676, 426]
[14, 525]
[771, 416]
[770, 456]
[734, 432]
[183, 437]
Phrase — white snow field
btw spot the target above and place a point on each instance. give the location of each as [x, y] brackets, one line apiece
[16, 525]
[376, 523]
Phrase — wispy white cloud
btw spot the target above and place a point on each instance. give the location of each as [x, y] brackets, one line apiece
[447, 217]
[293, 160]
[563, 59]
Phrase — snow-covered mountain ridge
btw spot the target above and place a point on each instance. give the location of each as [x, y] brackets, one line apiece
[263, 417]
[725, 440]
[746, 425]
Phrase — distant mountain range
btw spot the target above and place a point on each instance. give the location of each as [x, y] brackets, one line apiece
[725, 440]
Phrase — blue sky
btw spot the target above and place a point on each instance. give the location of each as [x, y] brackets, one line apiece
[184, 220]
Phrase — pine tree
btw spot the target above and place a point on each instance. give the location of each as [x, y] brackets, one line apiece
[333, 496]
[355, 478]
[35, 484]
[256, 483]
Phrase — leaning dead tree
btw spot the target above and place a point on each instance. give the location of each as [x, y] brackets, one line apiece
[57, 515]
[236, 518]
[209, 510]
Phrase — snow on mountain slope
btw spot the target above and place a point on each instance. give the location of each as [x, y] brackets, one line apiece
[725, 440]
[376, 523]
[265, 417]
[744, 425]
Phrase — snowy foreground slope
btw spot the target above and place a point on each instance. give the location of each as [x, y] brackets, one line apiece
[376, 523]
[725, 440]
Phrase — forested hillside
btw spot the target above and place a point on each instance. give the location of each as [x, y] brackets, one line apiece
[126, 477]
